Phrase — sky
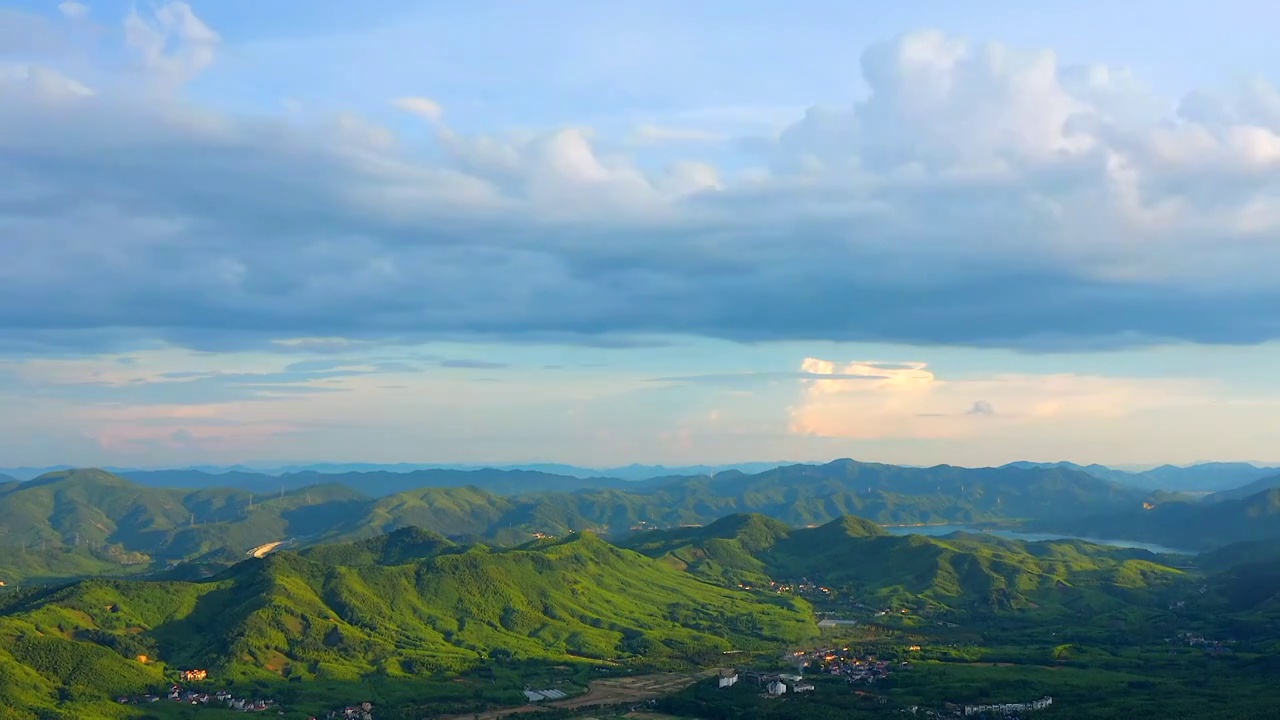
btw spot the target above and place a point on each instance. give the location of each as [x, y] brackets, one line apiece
[660, 232]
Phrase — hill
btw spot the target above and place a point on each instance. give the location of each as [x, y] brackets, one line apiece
[1194, 526]
[395, 548]
[289, 616]
[1201, 478]
[96, 514]
[378, 483]
[1240, 554]
[1257, 486]
[960, 572]
[111, 516]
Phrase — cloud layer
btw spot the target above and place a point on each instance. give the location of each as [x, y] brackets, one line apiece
[979, 195]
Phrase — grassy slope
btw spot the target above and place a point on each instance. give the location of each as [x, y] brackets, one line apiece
[290, 616]
[967, 571]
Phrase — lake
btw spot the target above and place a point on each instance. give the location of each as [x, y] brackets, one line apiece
[939, 530]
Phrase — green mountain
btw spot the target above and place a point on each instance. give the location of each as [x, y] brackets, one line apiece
[116, 521]
[1257, 486]
[1201, 478]
[959, 572]
[1193, 526]
[1235, 555]
[378, 483]
[95, 508]
[410, 605]
[396, 548]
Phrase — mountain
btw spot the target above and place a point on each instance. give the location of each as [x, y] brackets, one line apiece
[289, 616]
[961, 572]
[105, 516]
[1192, 526]
[380, 482]
[1240, 554]
[1202, 478]
[1257, 486]
[398, 547]
[112, 517]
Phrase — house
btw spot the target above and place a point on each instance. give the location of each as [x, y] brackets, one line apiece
[194, 675]
[728, 678]
[777, 687]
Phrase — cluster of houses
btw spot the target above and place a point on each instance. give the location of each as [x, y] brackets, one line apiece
[803, 587]
[196, 697]
[363, 711]
[534, 696]
[846, 663]
[1212, 647]
[774, 684]
[1007, 709]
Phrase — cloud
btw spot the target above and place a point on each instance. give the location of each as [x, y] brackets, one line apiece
[913, 402]
[173, 43]
[979, 195]
[659, 134]
[982, 408]
[425, 108]
[73, 10]
[766, 377]
[473, 364]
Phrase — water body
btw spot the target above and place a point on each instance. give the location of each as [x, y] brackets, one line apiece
[939, 530]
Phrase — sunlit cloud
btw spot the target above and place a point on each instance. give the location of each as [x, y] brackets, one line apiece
[912, 402]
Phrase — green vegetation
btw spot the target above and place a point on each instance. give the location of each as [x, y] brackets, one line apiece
[441, 599]
[409, 606]
[1203, 525]
[860, 563]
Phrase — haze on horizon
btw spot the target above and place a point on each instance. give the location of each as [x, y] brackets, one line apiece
[389, 232]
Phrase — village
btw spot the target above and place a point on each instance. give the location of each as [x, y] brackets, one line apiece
[178, 693]
[1211, 647]
[849, 664]
[222, 698]
[1002, 710]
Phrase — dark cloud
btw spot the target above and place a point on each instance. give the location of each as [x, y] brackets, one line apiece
[982, 408]
[131, 224]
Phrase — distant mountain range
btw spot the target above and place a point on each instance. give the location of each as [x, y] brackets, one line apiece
[87, 522]
[386, 479]
[1202, 478]
[79, 518]
[196, 473]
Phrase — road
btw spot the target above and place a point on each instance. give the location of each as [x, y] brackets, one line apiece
[262, 550]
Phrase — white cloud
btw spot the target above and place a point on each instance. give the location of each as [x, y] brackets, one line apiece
[425, 108]
[39, 86]
[658, 134]
[74, 10]
[174, 44]
[979, 195]
[910, 401]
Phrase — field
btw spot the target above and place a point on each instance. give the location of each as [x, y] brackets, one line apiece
[613, 691]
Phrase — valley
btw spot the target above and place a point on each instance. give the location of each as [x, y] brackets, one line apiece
[455, 602]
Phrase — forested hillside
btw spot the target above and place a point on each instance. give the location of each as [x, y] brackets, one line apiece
[409, 604]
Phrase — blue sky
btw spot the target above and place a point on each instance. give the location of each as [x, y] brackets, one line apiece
[638, 232]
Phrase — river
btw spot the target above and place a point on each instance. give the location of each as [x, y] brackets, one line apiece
[938, 530]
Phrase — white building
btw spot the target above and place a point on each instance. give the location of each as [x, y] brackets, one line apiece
[777, 687]
[728, 678]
